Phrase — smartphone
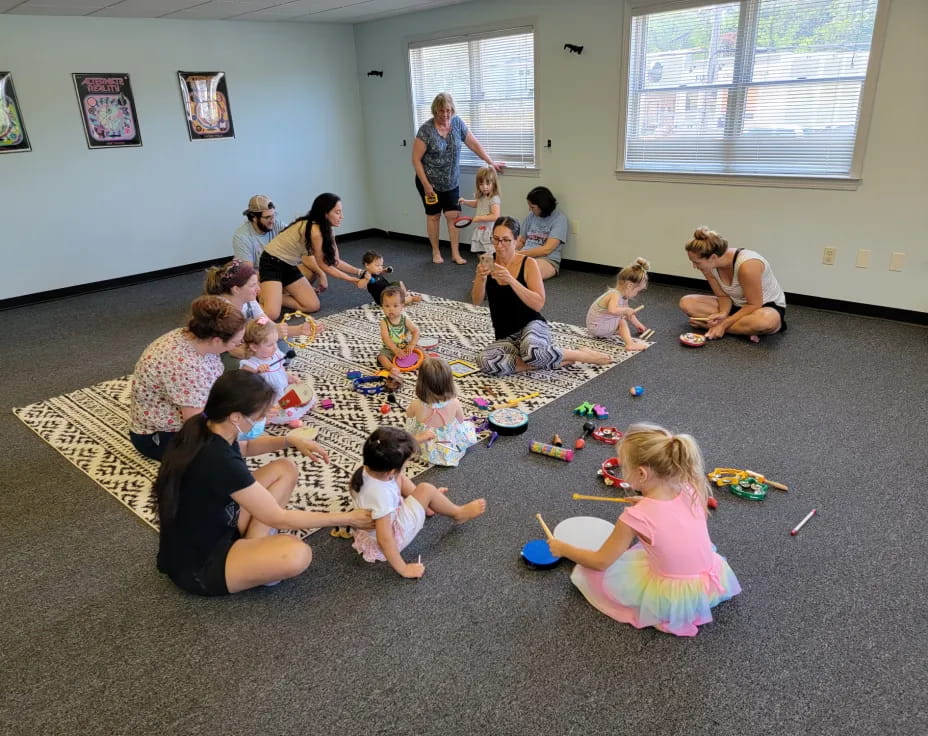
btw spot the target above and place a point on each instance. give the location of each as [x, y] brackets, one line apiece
[487, 260]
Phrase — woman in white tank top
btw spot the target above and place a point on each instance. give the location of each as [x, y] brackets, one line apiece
[746, 297]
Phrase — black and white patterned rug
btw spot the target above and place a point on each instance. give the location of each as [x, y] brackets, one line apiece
[89, 427]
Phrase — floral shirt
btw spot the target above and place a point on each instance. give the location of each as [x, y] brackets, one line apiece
[170, 374]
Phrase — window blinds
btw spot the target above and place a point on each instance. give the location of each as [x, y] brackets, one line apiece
[752, 87]
[492, 79]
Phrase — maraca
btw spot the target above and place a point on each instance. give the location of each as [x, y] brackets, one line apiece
[588, 427]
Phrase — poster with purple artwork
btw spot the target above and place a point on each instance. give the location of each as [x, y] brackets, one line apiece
[107, 110]
[205, 98]
[12, 128]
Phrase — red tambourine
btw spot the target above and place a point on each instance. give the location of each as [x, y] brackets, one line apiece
[609, 435]
[692, 339]
[460, 222]
[608, 475]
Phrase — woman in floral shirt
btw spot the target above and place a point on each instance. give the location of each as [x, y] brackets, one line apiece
[173, 377]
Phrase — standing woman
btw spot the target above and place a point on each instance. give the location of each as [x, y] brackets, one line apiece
[746, 297]
[436, 157]
[544, 232]
[172, 379]
[218, 519]
[516, 294]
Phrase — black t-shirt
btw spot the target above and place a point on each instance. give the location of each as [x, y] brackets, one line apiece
[508, 313]
[206, 512]
[377, 285]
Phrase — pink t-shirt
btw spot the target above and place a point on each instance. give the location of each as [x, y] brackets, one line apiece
[170, 374]
[680, 543]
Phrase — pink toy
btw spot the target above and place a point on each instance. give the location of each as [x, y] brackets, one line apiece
[326, 404]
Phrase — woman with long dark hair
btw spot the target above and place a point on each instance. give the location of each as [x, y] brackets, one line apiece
[219, 520]
[308, 240]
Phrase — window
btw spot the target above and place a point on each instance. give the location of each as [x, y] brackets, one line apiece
[768, 88]
[492, 79]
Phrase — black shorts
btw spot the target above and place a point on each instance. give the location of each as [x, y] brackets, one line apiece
[210, 578]
[151, 445]
[447, 201]
[271, 268]
[772, 305]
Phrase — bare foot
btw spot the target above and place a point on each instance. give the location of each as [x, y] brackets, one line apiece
[460, 261]
[436, 258]
[470, 510]
[634, 346]
[754, 338]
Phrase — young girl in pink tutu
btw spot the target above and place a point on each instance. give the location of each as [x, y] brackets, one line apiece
[672, 577]
[397, 505]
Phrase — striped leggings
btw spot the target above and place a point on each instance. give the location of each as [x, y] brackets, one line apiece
[532, 343]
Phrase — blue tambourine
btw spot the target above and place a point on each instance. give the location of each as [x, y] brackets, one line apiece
[369, 385]
[537, 555]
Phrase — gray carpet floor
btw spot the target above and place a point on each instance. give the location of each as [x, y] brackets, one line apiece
[828, 637]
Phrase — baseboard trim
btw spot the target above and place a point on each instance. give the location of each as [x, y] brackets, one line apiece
[117, 283]
[805, 300]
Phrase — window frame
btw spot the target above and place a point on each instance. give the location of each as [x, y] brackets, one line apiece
[799, 181]
[467, 33]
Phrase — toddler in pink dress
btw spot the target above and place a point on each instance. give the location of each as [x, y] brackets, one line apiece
[672, 577]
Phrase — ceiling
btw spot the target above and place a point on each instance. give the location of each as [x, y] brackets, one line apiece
[307, 11]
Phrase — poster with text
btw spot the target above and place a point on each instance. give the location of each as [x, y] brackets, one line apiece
[107, 110]
[205, 97]
[13, 136]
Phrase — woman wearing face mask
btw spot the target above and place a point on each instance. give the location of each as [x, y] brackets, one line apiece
[218, 518]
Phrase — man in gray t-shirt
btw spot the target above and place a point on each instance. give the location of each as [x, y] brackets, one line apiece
[261, 227]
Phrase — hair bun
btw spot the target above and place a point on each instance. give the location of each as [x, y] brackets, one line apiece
[702, 233]
[643, 264]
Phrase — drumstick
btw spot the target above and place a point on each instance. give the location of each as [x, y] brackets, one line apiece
[545, 527]
[700, 319]
[771, 483]
[514, 402]
[638, 309]
[646, 335]
[581, 497]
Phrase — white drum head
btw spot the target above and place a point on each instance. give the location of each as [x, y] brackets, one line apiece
[587, 532]
[428, 343]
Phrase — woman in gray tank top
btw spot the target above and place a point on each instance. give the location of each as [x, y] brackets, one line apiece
[746, 297]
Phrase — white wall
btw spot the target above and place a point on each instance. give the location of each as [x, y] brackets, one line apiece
[619, 220]
[74, 216]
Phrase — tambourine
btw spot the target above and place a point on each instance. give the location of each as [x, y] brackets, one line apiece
[508, 420]
[369, 385]
[431, 198]
[749, 488]
[461, 222]
[428, 343]
[299, 340]
[537, 555]
[606, 472]
[609, 435]
[692, 339]
[411, 362]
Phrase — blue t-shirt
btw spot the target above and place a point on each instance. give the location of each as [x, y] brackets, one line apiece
[247, 245]
[537, 230]
[442, 157]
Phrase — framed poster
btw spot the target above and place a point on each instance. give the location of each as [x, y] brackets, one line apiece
[205, 98]
[107, 110]
[13, 136]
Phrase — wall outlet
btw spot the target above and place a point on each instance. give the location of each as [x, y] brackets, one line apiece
[829, 255]
[863, 258]
[896, 261]
[574, 226]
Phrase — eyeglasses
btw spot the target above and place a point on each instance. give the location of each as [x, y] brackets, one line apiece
[502, 241]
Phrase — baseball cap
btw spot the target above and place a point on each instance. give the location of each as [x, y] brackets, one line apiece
[258, 203]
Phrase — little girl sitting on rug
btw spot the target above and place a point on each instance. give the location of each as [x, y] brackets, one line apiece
[398, 333]
[266, 359]
[397, 505]
[610, 313]
[673, 576]
[436, 418]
